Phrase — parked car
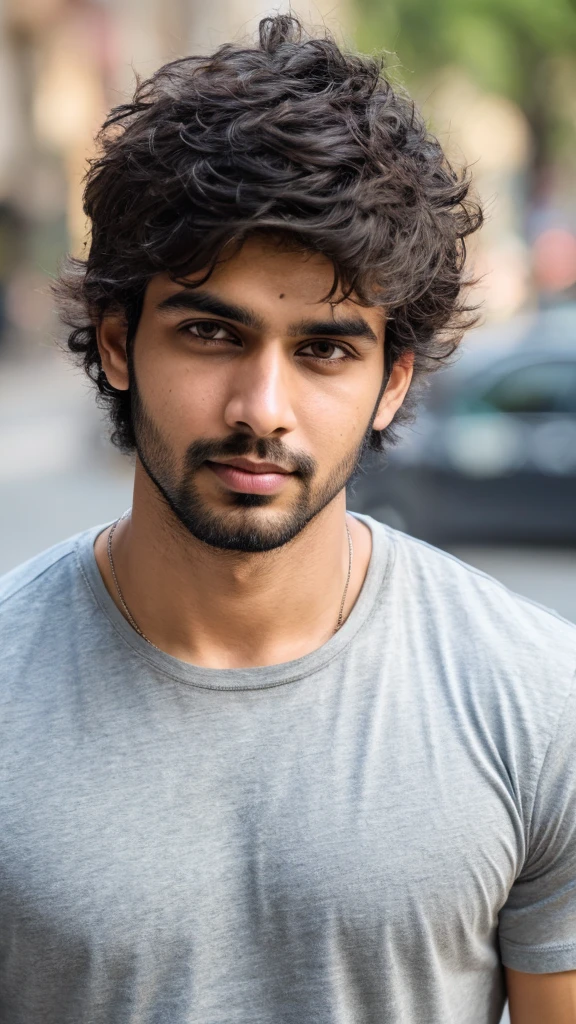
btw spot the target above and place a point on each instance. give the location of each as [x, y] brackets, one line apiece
[492, 454]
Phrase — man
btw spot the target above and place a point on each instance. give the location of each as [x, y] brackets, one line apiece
[264, 761]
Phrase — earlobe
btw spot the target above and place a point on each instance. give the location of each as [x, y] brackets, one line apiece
[111, 338]
[395, 391]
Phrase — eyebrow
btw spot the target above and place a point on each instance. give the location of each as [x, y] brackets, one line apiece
[198, 301]
[347, 327]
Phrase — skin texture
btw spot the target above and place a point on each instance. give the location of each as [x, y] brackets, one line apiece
[542, 998]
[267, 381]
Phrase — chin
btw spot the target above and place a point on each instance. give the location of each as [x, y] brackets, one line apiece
[242, 528]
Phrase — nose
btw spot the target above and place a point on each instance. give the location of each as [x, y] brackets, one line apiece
[260, 400]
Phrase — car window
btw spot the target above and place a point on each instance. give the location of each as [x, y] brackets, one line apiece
[539, 388]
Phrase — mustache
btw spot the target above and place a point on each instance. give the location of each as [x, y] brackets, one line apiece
[266, 449]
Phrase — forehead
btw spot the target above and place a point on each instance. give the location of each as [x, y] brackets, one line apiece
[276, 281]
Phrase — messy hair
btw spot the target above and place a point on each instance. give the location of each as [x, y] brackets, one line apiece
[292, 137]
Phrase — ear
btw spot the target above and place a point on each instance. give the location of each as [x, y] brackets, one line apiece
[111, 337]
[395, 391]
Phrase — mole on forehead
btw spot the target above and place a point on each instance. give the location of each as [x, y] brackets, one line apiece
[281, 296]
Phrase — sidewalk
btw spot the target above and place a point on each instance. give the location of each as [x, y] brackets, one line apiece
[58, 472]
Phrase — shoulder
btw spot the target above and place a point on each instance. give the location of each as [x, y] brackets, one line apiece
[50, 640]
[509, 660]
[41, 588]
[29, 573]
[36, 574]
[448, 590]
[45, 605]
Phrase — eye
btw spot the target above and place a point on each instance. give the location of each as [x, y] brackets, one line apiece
[208, 330]
[326, 351]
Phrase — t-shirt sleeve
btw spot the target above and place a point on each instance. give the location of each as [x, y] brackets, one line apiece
[537, 928]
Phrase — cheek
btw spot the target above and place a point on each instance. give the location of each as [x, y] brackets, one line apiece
[332, 422]
[183, 401]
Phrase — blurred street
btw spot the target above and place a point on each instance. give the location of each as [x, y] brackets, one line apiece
[58, 475]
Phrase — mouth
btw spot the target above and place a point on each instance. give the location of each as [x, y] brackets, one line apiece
[246, 477]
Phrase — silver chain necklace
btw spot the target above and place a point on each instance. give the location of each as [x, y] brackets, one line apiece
[133, 622]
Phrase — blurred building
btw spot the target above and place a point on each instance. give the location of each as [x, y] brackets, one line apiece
[63, 64]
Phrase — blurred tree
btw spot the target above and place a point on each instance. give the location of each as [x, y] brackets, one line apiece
[523, 49]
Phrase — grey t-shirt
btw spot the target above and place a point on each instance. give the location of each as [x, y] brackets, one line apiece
[360, 836]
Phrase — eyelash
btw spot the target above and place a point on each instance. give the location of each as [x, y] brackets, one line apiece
[347, 353]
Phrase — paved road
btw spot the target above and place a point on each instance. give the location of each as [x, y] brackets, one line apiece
[57, 475]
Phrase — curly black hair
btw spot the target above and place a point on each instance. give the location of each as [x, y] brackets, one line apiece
[292, 137]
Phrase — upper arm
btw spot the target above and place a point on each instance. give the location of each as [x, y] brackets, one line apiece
[537, 924]
[535, 998]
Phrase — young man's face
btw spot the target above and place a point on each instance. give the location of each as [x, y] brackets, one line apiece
[252, 397]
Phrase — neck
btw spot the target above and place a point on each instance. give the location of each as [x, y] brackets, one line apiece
[225, 609]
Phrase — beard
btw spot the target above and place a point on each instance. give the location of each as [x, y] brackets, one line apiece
[239, 527]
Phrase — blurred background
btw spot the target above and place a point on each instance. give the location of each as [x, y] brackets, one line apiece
[489, 469]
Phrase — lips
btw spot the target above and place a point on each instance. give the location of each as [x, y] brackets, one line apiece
[253, 467]
[247, 477]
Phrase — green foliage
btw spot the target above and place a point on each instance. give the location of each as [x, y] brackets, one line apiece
[513, 47]
[499, 41]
